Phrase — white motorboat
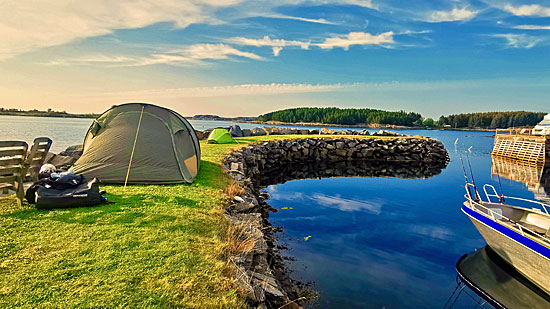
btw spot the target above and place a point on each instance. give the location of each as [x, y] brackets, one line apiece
[519, 233]
[543, 127]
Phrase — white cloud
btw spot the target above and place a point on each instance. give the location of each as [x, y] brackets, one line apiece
[26, 24]
[276, 44]
[519, 40]
[357, 38]
[276, 50]
[216, 51]
[233, 90]
[532, 27]
[267, 41]
[193, 54]
[455, 14]
[309, 20]
[364, 3]
[528, 10]
[343, 41]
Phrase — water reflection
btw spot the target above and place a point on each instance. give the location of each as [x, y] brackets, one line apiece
[364, 229]
[495, 282]
[535, 178]
[317, 170]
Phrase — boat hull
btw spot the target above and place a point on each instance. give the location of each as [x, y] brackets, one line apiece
[529, 258]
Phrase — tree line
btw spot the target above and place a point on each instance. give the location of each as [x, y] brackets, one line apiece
[47, 113]
[492, 120]
[355, 116]
[343, 116]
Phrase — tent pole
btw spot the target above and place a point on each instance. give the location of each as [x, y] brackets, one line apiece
[133, 149]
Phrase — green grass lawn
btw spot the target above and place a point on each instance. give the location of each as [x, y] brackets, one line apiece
[155, 246]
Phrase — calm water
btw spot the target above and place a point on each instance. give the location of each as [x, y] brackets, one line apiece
[386, 242]
[66, 132]
[375, 242]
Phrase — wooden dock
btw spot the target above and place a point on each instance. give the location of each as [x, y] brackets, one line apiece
[520, 145]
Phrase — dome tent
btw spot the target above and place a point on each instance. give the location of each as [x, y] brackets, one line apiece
[220, 136]
[161, 144]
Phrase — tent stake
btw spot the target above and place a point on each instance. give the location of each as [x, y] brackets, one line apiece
[133, 149]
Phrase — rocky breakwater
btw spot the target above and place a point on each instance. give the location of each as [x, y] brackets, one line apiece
[236, 131]
[262, 270]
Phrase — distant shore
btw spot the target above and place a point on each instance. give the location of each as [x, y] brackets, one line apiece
[48, 114]
[246, 120]
[366, 126]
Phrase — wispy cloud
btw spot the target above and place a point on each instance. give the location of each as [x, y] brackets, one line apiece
[57, 22]
[343, 41]
[364, 3]
[519, 40]
[357, 38]
[528, 10]
[234, 90]
[455, 14]
[193, 54]
[215, 51]
[276, 44]
[308, 20]
[50, 23]
[532, 27]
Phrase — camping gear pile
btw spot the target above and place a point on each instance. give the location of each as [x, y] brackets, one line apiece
[63, 190]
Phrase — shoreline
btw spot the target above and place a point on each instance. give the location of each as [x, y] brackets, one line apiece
[77, 116]
[365, 126]
[358, 126]
[273, 123]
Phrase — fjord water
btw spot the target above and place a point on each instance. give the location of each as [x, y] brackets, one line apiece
[375, 242]
[386, 242]
[66, 132]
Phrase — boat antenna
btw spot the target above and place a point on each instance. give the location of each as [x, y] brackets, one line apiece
[463, 168]
[465, 175]
[472, 175]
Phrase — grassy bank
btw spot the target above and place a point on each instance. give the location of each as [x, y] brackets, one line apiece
[159, 246]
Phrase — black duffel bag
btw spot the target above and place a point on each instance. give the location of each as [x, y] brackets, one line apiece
[85, 194]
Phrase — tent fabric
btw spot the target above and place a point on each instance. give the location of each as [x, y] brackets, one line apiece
[220, 136]
[167, 150]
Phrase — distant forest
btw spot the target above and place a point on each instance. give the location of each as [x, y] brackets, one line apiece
[491, 120]
[46, 113]
[347, 116]
[353, 116]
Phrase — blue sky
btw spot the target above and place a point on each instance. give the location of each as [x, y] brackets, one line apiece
[236, 57]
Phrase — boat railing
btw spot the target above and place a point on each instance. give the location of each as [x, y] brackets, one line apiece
[502, 199]
[476, 203]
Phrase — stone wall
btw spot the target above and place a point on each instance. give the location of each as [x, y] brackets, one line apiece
[236, 131]
[263, 271]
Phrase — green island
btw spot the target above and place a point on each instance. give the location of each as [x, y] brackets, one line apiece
[365, 117]
[156, 245]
